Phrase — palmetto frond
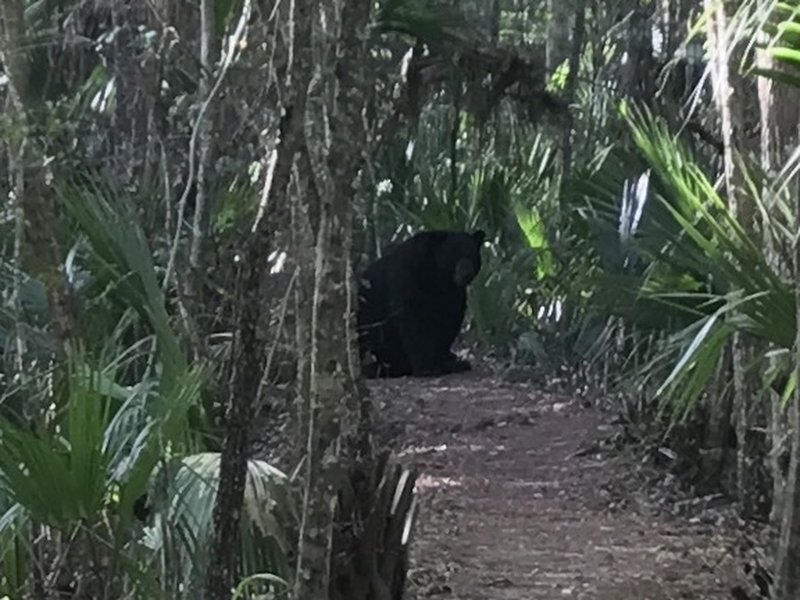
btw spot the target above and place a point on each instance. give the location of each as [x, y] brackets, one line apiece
[695, 261]
[120, 255]
[268, 524]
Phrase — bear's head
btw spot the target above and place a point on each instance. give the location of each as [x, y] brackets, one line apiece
[459, 255]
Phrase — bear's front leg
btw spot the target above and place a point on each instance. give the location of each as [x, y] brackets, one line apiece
[419, 346]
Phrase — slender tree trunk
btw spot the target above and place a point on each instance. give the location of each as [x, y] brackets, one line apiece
[732, 95]
[777, 418]
[718, 421]
[494, 11]
[303, 255]
[726, 400]
[780, 118]
[36, 217]
[557, 49]
[578, 34]
[332, 416]
[304, 205]
[245, 378]
[352, 82]
[36, 197]
[787, 563]
[209, 51]
[248, 353]
[190, 288]
[455, 128]
[294, 109]
[637, 81]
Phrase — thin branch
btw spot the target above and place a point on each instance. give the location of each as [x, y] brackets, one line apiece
[233, 43]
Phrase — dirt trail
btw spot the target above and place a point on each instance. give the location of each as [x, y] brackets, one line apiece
[515, 505]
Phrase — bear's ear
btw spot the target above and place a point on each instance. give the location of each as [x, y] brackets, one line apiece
[479, 236]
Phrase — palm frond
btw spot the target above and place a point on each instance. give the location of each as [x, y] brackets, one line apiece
[268, 522]
[60, 477]
[119, 250]
[756, 302]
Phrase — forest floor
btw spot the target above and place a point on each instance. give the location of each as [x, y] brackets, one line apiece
[518, 501]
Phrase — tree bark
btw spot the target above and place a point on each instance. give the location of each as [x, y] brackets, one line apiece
[332, 409]
[209, 50]
[718, 419]
[36, 198]
[578, 34]
[294, 109]
[245, 378]
[787, 561]
[246, 374]
[637, 78]
[36, 217]
[201, 219]
[780, 117]
[732, 95]
[557, 48]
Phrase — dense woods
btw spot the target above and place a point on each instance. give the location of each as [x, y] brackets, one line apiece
[192, 188]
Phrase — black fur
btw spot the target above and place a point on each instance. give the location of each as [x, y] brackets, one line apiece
[412, 301]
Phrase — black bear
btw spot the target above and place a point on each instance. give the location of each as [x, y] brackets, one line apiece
[411, 304]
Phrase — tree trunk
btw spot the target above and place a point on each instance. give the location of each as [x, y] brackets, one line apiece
[36, 197]
[557, 49]
[291, 142]
[36, 217]
[637, 70]
[247, 364]
[202, 210]
[494, 11]
[732, 95]
[332, 409]
[245, 379]
[294, 108]
[787, 562]
[190, 290]
[718, 419]
[578, 34]
[303, 253]
[780, 117]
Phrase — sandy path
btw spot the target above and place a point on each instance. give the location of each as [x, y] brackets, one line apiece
[515, 504]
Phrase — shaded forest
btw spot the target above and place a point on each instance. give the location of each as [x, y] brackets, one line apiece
[192, 193]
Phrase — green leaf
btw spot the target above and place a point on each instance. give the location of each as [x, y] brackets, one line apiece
[779, 75]
[789, 55]
[104, 214]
